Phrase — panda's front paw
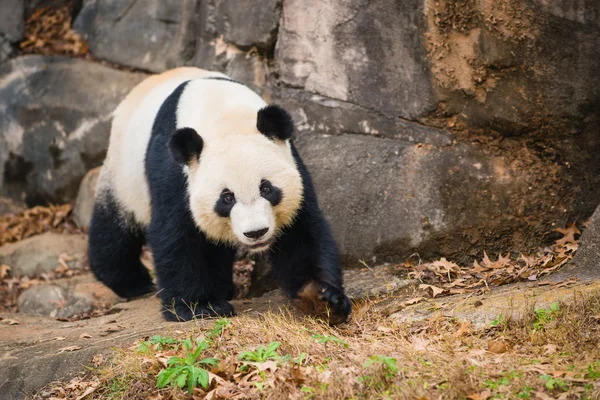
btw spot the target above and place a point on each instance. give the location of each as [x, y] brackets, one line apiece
[324, 300]
[186, 312]
[337, 301]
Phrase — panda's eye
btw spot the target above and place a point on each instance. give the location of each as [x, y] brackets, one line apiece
[228, 197]
[265, 188]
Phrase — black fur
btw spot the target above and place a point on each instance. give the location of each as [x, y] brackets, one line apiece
[115, 246]
[195, 274]
[274, 122]
[185, 144]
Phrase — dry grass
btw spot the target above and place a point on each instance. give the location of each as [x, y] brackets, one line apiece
[548, 354]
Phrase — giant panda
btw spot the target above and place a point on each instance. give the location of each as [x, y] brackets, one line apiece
[199, 167]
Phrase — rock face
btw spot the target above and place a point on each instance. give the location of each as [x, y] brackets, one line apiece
[370, 53]
[54, 124]
[52, 301]
[248, 23]
[151, 35]
[40, 253]
[12, 19]
[388, 199]
[84, 204]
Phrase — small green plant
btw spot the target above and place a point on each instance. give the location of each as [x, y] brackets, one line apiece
[261, 354]
[309, 392]
[300, 359]
[161, 343]
[390, 364]
[593, 371]
[552, 383]
[187, 370]
[543, 316]
[525, 393]
[322, 339]
[220, 325]
[498, 321]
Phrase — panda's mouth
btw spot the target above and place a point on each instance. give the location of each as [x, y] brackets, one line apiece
[261, 246]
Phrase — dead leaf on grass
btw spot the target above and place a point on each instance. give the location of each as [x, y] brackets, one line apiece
[497, 346]
[480, 396]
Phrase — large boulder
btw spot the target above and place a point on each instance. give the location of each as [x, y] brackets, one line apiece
[152, 35]
[388, 199]
[370, 53]
[54, 124]
[41, 253]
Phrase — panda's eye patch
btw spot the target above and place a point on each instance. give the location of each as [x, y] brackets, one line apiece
[270, 192]
[225, 203]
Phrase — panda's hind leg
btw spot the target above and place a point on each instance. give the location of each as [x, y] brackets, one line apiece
[115, 246]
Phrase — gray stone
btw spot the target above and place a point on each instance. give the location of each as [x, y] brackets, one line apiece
[251, 70]
[39, 254]
[153, 35]
[366, 52]
[12, 19]
[586, 263]
[52, 301]
[248, 23]
[388, 199]
[320, 114]
[6, 50]
[55, 118]
[10, 206]
[84, 204]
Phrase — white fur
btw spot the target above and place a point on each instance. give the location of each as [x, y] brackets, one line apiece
[235, 156]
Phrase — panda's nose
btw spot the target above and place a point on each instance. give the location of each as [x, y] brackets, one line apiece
[257, 234]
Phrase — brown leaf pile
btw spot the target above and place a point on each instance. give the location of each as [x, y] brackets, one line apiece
[48, 31]
[446, 277]
[36, 220]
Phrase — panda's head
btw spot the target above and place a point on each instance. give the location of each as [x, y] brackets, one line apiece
[244, 186]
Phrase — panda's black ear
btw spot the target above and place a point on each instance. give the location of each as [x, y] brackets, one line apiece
[274, 122]
[185, 145]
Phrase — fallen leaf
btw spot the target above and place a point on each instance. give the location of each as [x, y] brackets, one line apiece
[85, 336]
[414, 300]
[4, 269]
[550, 348]
[568, 235]
[497, 346]
[420, 344]
[59, 338]
[11, 321]
[434, 289]
[463, 327]
[97, 360]
[69, 348]
[480, 396]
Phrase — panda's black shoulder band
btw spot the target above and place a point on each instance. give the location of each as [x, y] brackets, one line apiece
[275, 122]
